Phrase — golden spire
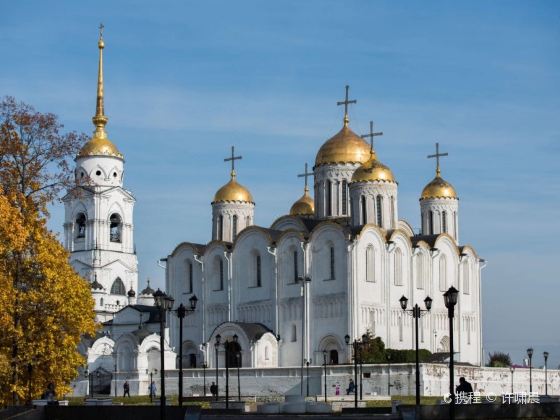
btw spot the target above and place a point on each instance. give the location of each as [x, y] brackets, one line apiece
[346, 102]
[100, 119]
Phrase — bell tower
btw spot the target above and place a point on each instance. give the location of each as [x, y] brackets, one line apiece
[98, 228]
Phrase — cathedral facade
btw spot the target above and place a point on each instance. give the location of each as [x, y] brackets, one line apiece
[336, 265]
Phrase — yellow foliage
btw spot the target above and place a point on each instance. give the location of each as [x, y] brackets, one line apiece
[46, 308]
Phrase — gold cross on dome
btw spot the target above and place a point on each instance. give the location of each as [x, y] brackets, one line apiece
[346, 102]
[305, 175]
[371, 135]
[437, 155]
[233, 158]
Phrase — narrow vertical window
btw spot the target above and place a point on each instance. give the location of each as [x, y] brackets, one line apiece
[422, 227]
[248, 222]
[370, 264]
[419, 271]
[221, 228]
[234, 227]
[364, 210]
[344, 197]
[442, 274]
[259, 273]
[221, 284]
[332, 263]
[115, 228]
[329, 198]
[190, 278]
[294, 333]
[81, 225]
[431, 222]
[466, 280]
[379, 203]
[398, 267]
[392, 215]
[444, 222]
[295, 266]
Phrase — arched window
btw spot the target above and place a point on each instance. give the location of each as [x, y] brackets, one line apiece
[398, 267]
[115, 229]
[219, 274]
[118, 287]
[442, 273]
[234, 227]
[419, 271]
[266, 353]
[258, 271]
[189, 277]
[101, 302]
[344, 197]
[431, 222]
[248, 221]
[296, 268]
[332, 271]
[370, 263]
[364, 209]
[328, 186]
[466, 280]
[444, 222]
[221, 228]
[379, 203]
[81, 225]
[294, 333]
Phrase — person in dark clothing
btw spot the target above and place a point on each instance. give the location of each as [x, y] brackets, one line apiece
[126, 389]
[464, 386]
[351, 387]
[213, 389]
[50, 393]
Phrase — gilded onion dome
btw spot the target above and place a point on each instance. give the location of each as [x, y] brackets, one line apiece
[344, 147]
[99, 144]
[304, 206]
[438, 188]
[233, 192]
[373, 170]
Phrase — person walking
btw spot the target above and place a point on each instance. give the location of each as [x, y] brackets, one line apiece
[213, 389]
[152, 390]
[351, 387]
[126, 389]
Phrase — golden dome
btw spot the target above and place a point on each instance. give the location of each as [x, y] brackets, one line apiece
[304, 206]
[100, 146]
[438, 188]
[373, 170]
[233, 191]
[344, 147]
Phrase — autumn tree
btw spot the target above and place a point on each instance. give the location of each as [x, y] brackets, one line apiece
[46, 306]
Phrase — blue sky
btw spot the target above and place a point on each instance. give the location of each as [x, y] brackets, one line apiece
[186, 80]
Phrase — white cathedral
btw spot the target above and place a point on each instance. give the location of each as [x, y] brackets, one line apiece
[336, 265]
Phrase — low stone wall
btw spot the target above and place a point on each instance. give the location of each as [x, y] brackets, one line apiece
[273, 382]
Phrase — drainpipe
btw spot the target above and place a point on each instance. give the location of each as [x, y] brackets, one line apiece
[198, 260]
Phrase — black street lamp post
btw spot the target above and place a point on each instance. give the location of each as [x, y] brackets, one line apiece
[545, 354]
[325, 365]
[204, 366]
[389, 374]
[307, 374]
[227, 348]
[512, 370]
[216, 346]
[357, 346]
[182, 312]
[164, 303]
[530, 354]
[450, 299]
[115, 368]
[150, 389]
[416, 313]
[238, 359]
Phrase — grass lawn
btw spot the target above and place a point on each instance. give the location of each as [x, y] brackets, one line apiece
[408, 399]
[137, 400]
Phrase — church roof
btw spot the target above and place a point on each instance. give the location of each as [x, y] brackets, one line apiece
[253, 330]
[152, 311]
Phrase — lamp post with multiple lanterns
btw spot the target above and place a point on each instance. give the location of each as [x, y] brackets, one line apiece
[530, 354]
[357, 354]
[182, 312]
[545, 354]
[416, 313]
[227, 348]
[450, 300]
[164, 303]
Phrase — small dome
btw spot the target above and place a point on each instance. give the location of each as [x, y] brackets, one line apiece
[233, 192]
[95, 285]
[304, 206]
[438, 188]
[373, 170]
[131, 293]
[100, 146]
[148, 290]
[344, 147]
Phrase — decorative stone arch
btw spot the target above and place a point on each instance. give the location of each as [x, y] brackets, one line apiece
[115, 170]
[191, 355]
[101, 354]
[443, 345]
[334, 348]
[126, 351]
[98, 172]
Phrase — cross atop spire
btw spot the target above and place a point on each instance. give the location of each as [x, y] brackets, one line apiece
[233, 158]
[437, 155]
[100, 120]
[346, 102]
[305, 175]
[371, 135]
